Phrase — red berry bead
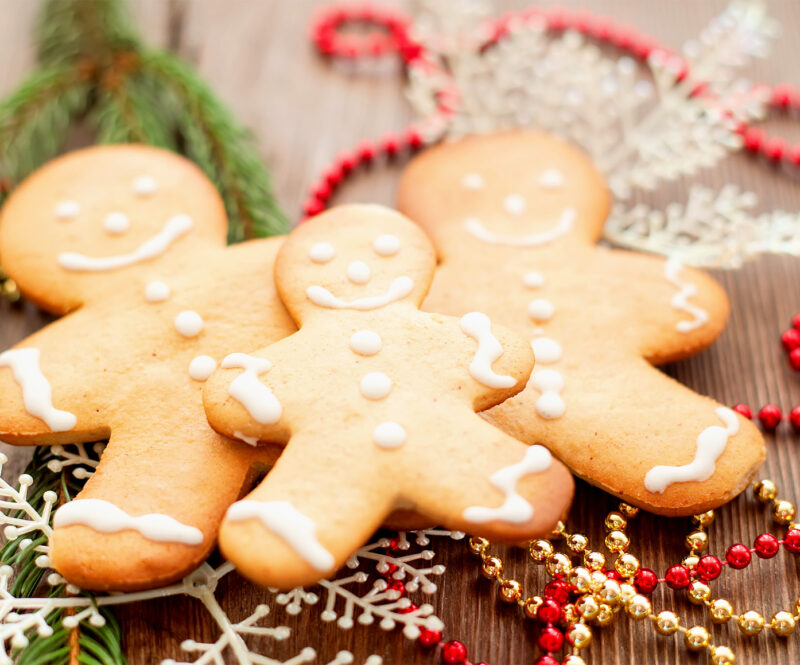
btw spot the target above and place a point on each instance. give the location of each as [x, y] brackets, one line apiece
[744, 410]
[782, 95]
[646, 580]
[557, 590]
[794, 359]
[549, 611]
[546, 660]
[550, 639]
[791, 339]
[408, 610]
[366, 150]
[774, 148]
[792, 541]
[708, 568]
[390, 144]
[794, 418]
[678, 577]
[429, 638]
[794, 154]
[770, 417]
[313, 206]
[766, 545]
[796, 321]
[753, 137]
[614, 575]
[738, 556]
[454, 652]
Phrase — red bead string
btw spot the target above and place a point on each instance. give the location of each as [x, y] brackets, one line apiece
[784, 97]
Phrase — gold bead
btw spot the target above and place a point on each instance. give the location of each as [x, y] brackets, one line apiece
[615, 521]
[765, 491]
[598, 580]
[581, 579]
[796, 607]
[628, 510]
[594, 560]
[559, 531]
[558, 565]
[10, 290]
[722, 656]
[782, 624]
[721, 610]
[751, 623]
[703, 519]
[617, 541]
[610, 593]
[531, 606]
[588, 607]
[697, 541]
[626, 565]
[699, 592]
[690, 561]
[580, 635]
[478, 545]
[577, 542]
[540, 550]
[783, 512]
[667, 623]
[492, 567]
[569, 615]
[696, 638]
[510, 591]
[627, 592]
[572, 659]
[605, 615]
[638, 607]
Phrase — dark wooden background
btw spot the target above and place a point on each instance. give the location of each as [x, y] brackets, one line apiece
[303, 111]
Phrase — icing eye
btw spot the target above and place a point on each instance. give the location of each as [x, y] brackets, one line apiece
[386, 245]
[66, 210]
[321, 252]
[473, 181]
[144, 185]
[514, 204]
[358, 272]
[116, 223]
[551, 179]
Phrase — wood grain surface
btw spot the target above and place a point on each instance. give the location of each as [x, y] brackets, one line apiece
[303, 110]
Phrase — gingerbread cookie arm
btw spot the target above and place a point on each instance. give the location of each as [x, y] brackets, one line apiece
[140, 519]
[310, 513]
[661, 446]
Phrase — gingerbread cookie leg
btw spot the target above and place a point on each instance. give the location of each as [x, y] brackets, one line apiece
[140, 518]
[650, 458]
[311, 512]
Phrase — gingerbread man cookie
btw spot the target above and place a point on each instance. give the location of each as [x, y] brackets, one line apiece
[515, 217]
[129, 242]
[375, 402]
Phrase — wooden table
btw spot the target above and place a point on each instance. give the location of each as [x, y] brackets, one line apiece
[303, 111]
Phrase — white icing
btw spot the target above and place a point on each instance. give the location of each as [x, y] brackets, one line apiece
[366, 342]
[189, 323]
[400, 288]
[386, 245]
[541, 309]
[375, 385]
[246, 389]
[202, 367]
[515, 509]
[515, 204]
[116, 223]
[546, 351]
[144, 185]
[66, 210]
[37, 395]
[478, 326]
[389, 435]
[710, 445]
[298, 530]
[105, 517]
[550, 383]
[358, 272]
[680, 300]
[321, 252]
[551, 179]
[249, 440]
[533, 279]
[174, 228]
[476, 228]
[473, 181]
[156, 292]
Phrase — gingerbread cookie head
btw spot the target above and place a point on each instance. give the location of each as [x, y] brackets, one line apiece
[373, 262]
[65, 242]
[513, 189]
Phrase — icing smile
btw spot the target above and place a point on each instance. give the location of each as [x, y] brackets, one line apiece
[477, 228]
[399, 289]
